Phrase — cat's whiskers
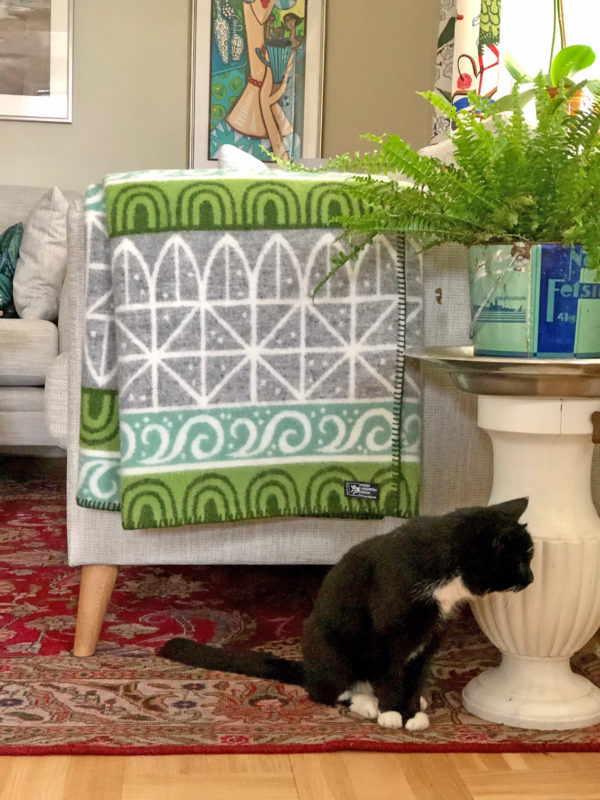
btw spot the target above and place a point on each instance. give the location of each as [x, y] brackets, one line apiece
[423, 590]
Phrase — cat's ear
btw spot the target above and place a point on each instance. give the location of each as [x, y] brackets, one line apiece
[512, 508]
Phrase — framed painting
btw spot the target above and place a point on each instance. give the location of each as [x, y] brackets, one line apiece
[37, 47]
[256, 78]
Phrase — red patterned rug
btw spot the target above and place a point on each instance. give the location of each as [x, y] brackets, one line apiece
[125, 700]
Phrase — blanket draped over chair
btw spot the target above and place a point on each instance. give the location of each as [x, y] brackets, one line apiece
[213, 387]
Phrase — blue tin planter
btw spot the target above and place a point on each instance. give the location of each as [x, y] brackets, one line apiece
[534, 300]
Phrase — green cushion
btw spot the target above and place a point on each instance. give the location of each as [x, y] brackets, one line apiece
[10, 242]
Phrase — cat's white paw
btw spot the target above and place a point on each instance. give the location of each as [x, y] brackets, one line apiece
[365, 705]
[390, 719]
[423, 703]
[360, 687]
[419, 722]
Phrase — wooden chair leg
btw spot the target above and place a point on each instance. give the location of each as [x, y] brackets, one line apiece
[97, 583]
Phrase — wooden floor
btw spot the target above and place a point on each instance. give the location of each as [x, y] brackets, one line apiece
[332, 776]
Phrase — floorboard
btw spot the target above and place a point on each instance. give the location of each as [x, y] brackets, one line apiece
[304, 776]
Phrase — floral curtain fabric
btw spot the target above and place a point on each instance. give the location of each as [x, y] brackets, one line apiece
[468, 54]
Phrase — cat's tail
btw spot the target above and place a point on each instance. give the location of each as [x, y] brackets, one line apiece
[244, 662]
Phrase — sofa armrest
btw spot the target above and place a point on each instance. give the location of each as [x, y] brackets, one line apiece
[75, 263]
[56, 394]
[55, 400]
[76, 298]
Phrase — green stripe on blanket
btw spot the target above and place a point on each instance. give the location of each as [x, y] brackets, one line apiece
[225, 204]
[213, 388]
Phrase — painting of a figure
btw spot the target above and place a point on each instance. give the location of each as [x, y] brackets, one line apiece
[25, 47]
[257, 77]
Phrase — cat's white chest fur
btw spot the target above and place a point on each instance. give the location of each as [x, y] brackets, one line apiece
[450, 594]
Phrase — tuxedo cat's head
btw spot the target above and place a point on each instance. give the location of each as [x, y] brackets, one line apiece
[495, 548]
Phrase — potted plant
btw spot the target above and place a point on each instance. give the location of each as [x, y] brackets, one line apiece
[524, 200]
[567, 62]
[564, 66]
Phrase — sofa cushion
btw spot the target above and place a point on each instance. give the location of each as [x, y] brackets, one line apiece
[22, 398]
[27, 349]
[10, 242]
[42, 263]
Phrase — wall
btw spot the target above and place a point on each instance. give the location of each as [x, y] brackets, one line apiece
[376, 61]
[130, 88]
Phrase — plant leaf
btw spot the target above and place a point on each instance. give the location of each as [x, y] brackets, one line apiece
[506, 103]
[570, 60]
[515, 69]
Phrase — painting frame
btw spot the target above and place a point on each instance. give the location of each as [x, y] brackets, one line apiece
[55, 105]
[201, 76]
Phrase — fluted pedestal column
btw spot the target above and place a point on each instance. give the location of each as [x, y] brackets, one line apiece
[543, 449]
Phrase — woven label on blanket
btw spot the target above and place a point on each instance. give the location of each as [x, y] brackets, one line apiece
[213, 387]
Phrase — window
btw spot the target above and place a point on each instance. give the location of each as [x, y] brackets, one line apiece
[526, 33]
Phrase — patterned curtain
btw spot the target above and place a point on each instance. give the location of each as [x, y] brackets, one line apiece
[468, 55]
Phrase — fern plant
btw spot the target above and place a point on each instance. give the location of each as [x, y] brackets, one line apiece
[510, 182]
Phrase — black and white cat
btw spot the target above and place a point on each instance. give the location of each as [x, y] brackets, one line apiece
[381, 610]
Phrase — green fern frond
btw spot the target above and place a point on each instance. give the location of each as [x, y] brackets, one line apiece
[508, 182]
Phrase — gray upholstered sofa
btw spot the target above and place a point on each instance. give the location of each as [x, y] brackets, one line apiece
[456, 459]
[31, 352]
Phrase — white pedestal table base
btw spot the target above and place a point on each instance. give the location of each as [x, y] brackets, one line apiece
[543, 450]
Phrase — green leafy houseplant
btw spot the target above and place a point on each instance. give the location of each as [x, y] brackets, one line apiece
[509, 183]
[563, 66]
[566, 63]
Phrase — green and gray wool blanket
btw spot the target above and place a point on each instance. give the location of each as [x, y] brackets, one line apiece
[213, 387]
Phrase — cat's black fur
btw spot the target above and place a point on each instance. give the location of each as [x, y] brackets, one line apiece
[380, 612]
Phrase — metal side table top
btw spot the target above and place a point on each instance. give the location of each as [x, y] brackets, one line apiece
[490, 375]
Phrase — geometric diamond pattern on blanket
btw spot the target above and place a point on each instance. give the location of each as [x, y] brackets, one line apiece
[261, 337]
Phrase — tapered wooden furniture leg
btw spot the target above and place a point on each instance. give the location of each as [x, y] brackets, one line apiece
[97, 583]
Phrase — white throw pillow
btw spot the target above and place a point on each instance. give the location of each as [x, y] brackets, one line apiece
[42, 262]
[230, 157]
